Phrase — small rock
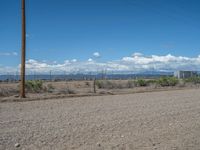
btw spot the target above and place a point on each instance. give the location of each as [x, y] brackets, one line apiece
[98, 144]
[17, 145]
[122, 136]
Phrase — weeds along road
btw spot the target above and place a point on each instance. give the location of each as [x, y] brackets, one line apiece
[160, 120]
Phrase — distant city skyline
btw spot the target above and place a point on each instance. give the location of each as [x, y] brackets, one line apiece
[117, 35]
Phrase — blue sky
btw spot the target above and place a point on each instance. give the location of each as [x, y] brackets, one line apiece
[59, 30]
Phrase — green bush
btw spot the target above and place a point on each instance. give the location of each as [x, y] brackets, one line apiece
[173, 81]
[163, 81]
[99, 84]
[152, 81]
[141, 82]
[34, 85]
[168, 81]
[194, 80]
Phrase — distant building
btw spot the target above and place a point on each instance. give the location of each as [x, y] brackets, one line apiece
[185, 74]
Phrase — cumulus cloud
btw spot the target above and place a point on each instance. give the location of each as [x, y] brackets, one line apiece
[8, 70]
[163, 63]
[90, 59]
[136, 63]
[74, 60]
[8, 54]
[96, 54]
[137, 54]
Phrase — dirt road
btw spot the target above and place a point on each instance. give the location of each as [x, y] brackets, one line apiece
[146, 121]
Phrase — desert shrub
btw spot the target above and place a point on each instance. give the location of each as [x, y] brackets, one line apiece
[152, 81]
[168, 81]
[130, 84]
[111, 85]
[87, 83]
[173, 81]
[70, 91]
[8, 92]
[66, 91]
[98, 84]
[194, 80]
[105, 84]
[50, 88]
[163, 81]
[181, 83]
[34, 85]
[141, 82]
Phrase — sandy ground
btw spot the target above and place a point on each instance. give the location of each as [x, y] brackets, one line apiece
[168, 120]
[62, 89]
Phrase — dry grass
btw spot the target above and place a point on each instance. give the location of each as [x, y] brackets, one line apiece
[5, 92]
[63, 88]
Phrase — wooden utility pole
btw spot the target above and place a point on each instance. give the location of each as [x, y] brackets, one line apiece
[23, 51]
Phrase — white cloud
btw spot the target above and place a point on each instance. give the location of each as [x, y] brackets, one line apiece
[90, 59]
[66, 61]
[96, 54]
[139, 63]
[8, 70]
[74, 60]
[164, 63]
[137, 54]
[8, 54]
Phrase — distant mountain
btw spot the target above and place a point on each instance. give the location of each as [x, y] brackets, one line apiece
[89, 76]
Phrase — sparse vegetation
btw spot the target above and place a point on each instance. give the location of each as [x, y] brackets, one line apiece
[163, 81]
[34, 86]
[173, 81]
[105, 84]
[66, 91]
[74, 87]
[167, 81]
[194, 80]
[50, 88]
[141, 82]
[130, 84]
[8, 92]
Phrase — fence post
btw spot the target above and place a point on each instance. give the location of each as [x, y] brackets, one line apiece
[94, 85]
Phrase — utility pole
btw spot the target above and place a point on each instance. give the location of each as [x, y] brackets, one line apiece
[23, 51]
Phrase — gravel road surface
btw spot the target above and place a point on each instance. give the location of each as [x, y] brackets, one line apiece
[168, 120]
